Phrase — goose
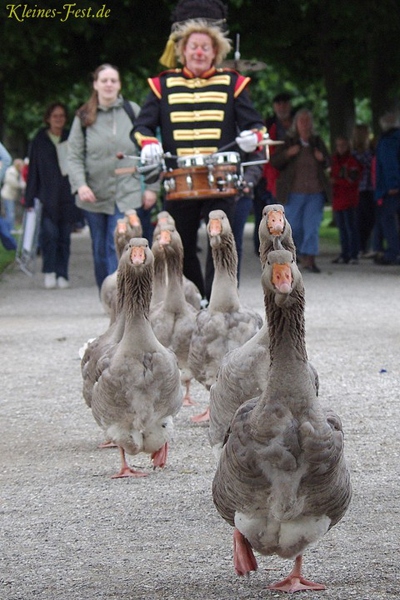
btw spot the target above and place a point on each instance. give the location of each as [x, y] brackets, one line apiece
[160, 279]
[134, 223]
[125, 229]
[242, 374]
[173, 320]
[282, 480]
[138, 394]
[225, 324]
[274, 225]
[95, 354]
[191, 290]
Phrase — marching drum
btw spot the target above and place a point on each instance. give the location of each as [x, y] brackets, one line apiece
[201, 177]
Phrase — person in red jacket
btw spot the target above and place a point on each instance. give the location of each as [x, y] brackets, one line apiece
[345, 175]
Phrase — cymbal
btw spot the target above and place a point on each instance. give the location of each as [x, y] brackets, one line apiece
[244, 65]
[269, 142]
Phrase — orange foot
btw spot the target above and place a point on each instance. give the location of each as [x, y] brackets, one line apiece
[295, 582]
[187, 401]
[107, 444]
[159, 457]
[243, 557]
[126, 471]
[202, 418]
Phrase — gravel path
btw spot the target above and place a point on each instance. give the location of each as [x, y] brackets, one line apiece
[69, 532]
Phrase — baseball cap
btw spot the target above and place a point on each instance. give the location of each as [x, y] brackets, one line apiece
[282, 97]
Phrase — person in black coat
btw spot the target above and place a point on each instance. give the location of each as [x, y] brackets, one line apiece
[47, 183]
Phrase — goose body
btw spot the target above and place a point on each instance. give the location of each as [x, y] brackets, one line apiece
[96, 352]
[243, 373]
[139, 392]
[225, 324]
[125, 229]
[282, 480]
[173, 319]
[190, 290]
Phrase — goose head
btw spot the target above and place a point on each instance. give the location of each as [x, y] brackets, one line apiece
[218, 226]
[273, 225]
[280, 274]
[134, 224]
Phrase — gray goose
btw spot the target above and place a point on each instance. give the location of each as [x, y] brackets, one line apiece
[96, 353]
[125, 229]
[139, 392]
[173, 320]
[190, 290]
[274, 225]
[282, 480]
[225, 324]
[242, 374]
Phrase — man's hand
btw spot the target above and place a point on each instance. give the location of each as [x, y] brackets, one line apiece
[151, 153]
[249, 140]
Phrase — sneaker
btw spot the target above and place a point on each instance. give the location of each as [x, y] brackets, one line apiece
[313, 268]
[340, 261]
[49, 281]
[62, 283]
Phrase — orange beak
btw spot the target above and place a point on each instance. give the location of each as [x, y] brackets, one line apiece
[121, 227]
[138, 255]
[133, 220]
[275, 222]
[165, 238]
[282, 278]
[214, 227]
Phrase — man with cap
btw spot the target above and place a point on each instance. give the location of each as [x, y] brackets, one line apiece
[197, 110]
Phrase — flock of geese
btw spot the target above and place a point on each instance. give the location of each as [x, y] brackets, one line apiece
[281, 479]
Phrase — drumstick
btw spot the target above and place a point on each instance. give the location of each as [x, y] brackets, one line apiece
[121, 155]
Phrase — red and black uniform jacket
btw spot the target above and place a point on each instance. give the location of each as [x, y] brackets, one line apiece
[196, 115]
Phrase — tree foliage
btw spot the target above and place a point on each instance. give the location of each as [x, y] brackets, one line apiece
[339, 58]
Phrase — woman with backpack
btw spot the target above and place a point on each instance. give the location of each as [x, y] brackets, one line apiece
[105, 186]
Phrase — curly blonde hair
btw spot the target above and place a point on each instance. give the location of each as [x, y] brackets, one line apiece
[221, 44]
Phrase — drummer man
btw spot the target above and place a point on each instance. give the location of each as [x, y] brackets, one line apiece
[198, 110]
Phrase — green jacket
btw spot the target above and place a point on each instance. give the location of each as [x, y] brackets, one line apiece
[92, 161]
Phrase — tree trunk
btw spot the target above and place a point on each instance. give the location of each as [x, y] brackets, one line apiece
[339, 91]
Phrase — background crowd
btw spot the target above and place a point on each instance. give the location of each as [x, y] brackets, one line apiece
[90, 176]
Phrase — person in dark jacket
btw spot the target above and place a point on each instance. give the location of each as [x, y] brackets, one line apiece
[47, 183]
[387, 190]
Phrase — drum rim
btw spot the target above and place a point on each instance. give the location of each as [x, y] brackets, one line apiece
[198, 157]
[228, 153]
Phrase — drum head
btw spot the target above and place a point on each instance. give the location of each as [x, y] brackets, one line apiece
[187, 162]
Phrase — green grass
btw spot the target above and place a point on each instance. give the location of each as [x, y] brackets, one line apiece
[6, 258]
[329, 233]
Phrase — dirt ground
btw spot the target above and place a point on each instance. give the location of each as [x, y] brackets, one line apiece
[69, 532]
